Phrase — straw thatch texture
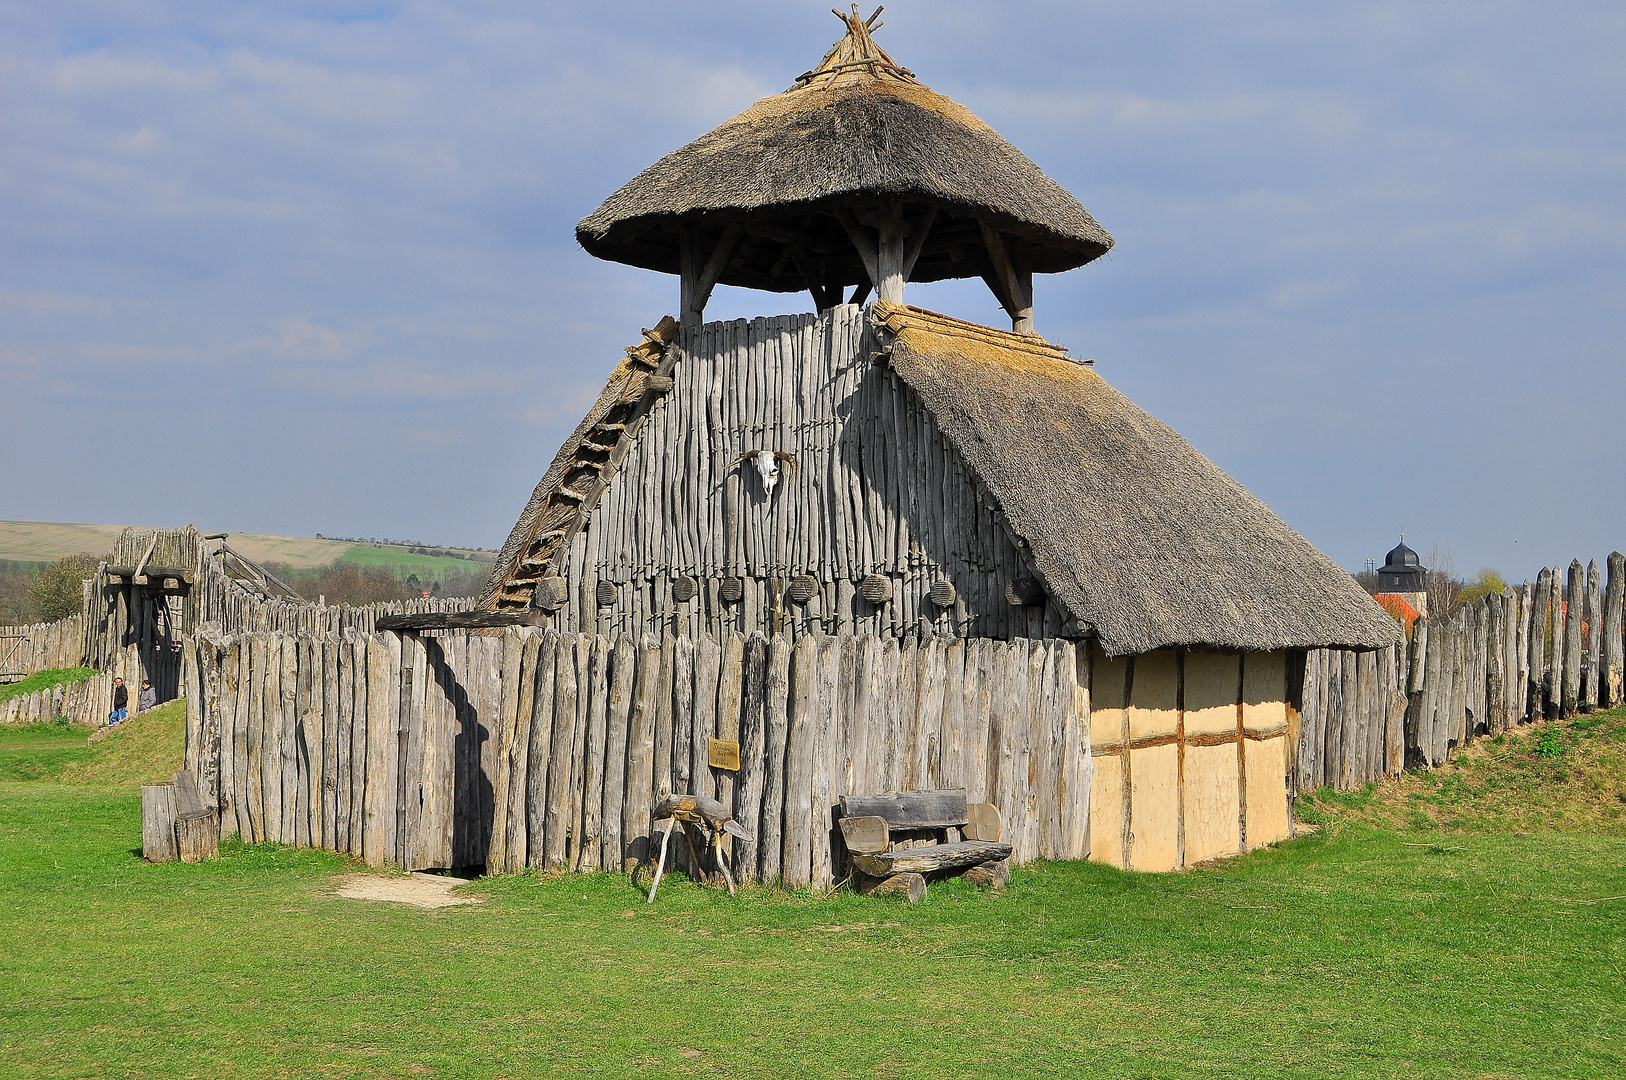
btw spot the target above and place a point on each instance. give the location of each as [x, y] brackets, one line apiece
[1137, 533]
[853, 133]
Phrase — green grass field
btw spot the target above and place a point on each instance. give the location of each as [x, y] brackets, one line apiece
[1363, 950]
[402, 561]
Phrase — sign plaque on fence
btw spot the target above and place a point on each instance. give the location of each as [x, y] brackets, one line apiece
[723, 754]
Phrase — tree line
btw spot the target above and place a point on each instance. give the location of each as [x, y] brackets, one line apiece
[32, 592]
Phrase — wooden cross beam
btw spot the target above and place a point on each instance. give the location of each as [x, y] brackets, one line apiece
[889, 256]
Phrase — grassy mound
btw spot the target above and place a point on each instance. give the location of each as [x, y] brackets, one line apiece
[146, 749]
[43, 680]
[1559, 776]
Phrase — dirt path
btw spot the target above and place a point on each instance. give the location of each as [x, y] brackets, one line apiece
[419, 890]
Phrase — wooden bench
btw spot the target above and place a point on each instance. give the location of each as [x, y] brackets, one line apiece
[176, 823]
[874, 827]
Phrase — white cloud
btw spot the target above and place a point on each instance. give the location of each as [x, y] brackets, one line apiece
[300, 339]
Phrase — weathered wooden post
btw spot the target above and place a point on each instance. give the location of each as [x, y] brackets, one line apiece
[196, 823]
[1540, 621]
[158, 822]
[1521, 646]
[1570, 702]
[1555, 646]
[1613, 646]
[1512, 681]
[1494, 691]
[1594, 635]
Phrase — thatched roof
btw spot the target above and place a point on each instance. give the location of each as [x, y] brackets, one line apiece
[858, 131]
[1132, 529]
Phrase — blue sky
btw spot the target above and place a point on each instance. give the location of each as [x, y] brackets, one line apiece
[297, 268]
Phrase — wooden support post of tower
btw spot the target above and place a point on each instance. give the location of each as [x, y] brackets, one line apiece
[698, 279]
[1012, 277]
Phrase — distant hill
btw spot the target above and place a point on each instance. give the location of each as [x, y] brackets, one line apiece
[47, 541]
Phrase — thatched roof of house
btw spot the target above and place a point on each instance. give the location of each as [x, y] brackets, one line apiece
[1132, 529]
[857, 131]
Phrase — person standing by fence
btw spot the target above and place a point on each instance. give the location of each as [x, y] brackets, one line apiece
[121, 702]
[148, 698]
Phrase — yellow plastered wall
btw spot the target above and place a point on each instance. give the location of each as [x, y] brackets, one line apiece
[1264, 693]
[1212, 683]
[1204, 768]
[1267, 790]
[1154, 771]
[1107, 811]
[1109, 719]
[1213, 802]
[1211, 774]
[1264, 718]
[1154, 808]
[1154, 696]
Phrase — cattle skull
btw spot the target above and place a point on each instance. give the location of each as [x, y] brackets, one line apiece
[767, 465]
[768, 469]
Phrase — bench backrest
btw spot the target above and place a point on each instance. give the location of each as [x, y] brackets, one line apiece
[911, 809]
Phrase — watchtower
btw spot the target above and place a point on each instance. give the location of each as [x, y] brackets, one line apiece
[856, 176]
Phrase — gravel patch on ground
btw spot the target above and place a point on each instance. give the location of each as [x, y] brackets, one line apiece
[419, 890]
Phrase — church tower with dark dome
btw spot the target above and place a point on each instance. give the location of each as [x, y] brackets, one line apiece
[1404, 574]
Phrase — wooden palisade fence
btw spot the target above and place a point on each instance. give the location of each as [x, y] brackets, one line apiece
[161, 584]
[41, 646]
[85, 702]
[458, 748]
[537, 749]
[1513, 657]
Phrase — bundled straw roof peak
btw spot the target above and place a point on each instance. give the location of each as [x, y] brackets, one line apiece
[857, 132]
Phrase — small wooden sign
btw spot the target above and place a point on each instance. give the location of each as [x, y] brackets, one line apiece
[723, 754]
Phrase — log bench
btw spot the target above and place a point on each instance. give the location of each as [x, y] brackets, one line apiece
[882, 833]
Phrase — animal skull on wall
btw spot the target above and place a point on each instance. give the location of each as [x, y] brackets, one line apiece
[768, 469]
[767, 464]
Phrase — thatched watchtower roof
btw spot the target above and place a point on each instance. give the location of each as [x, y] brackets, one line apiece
[1139, 535]
[857, 132]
